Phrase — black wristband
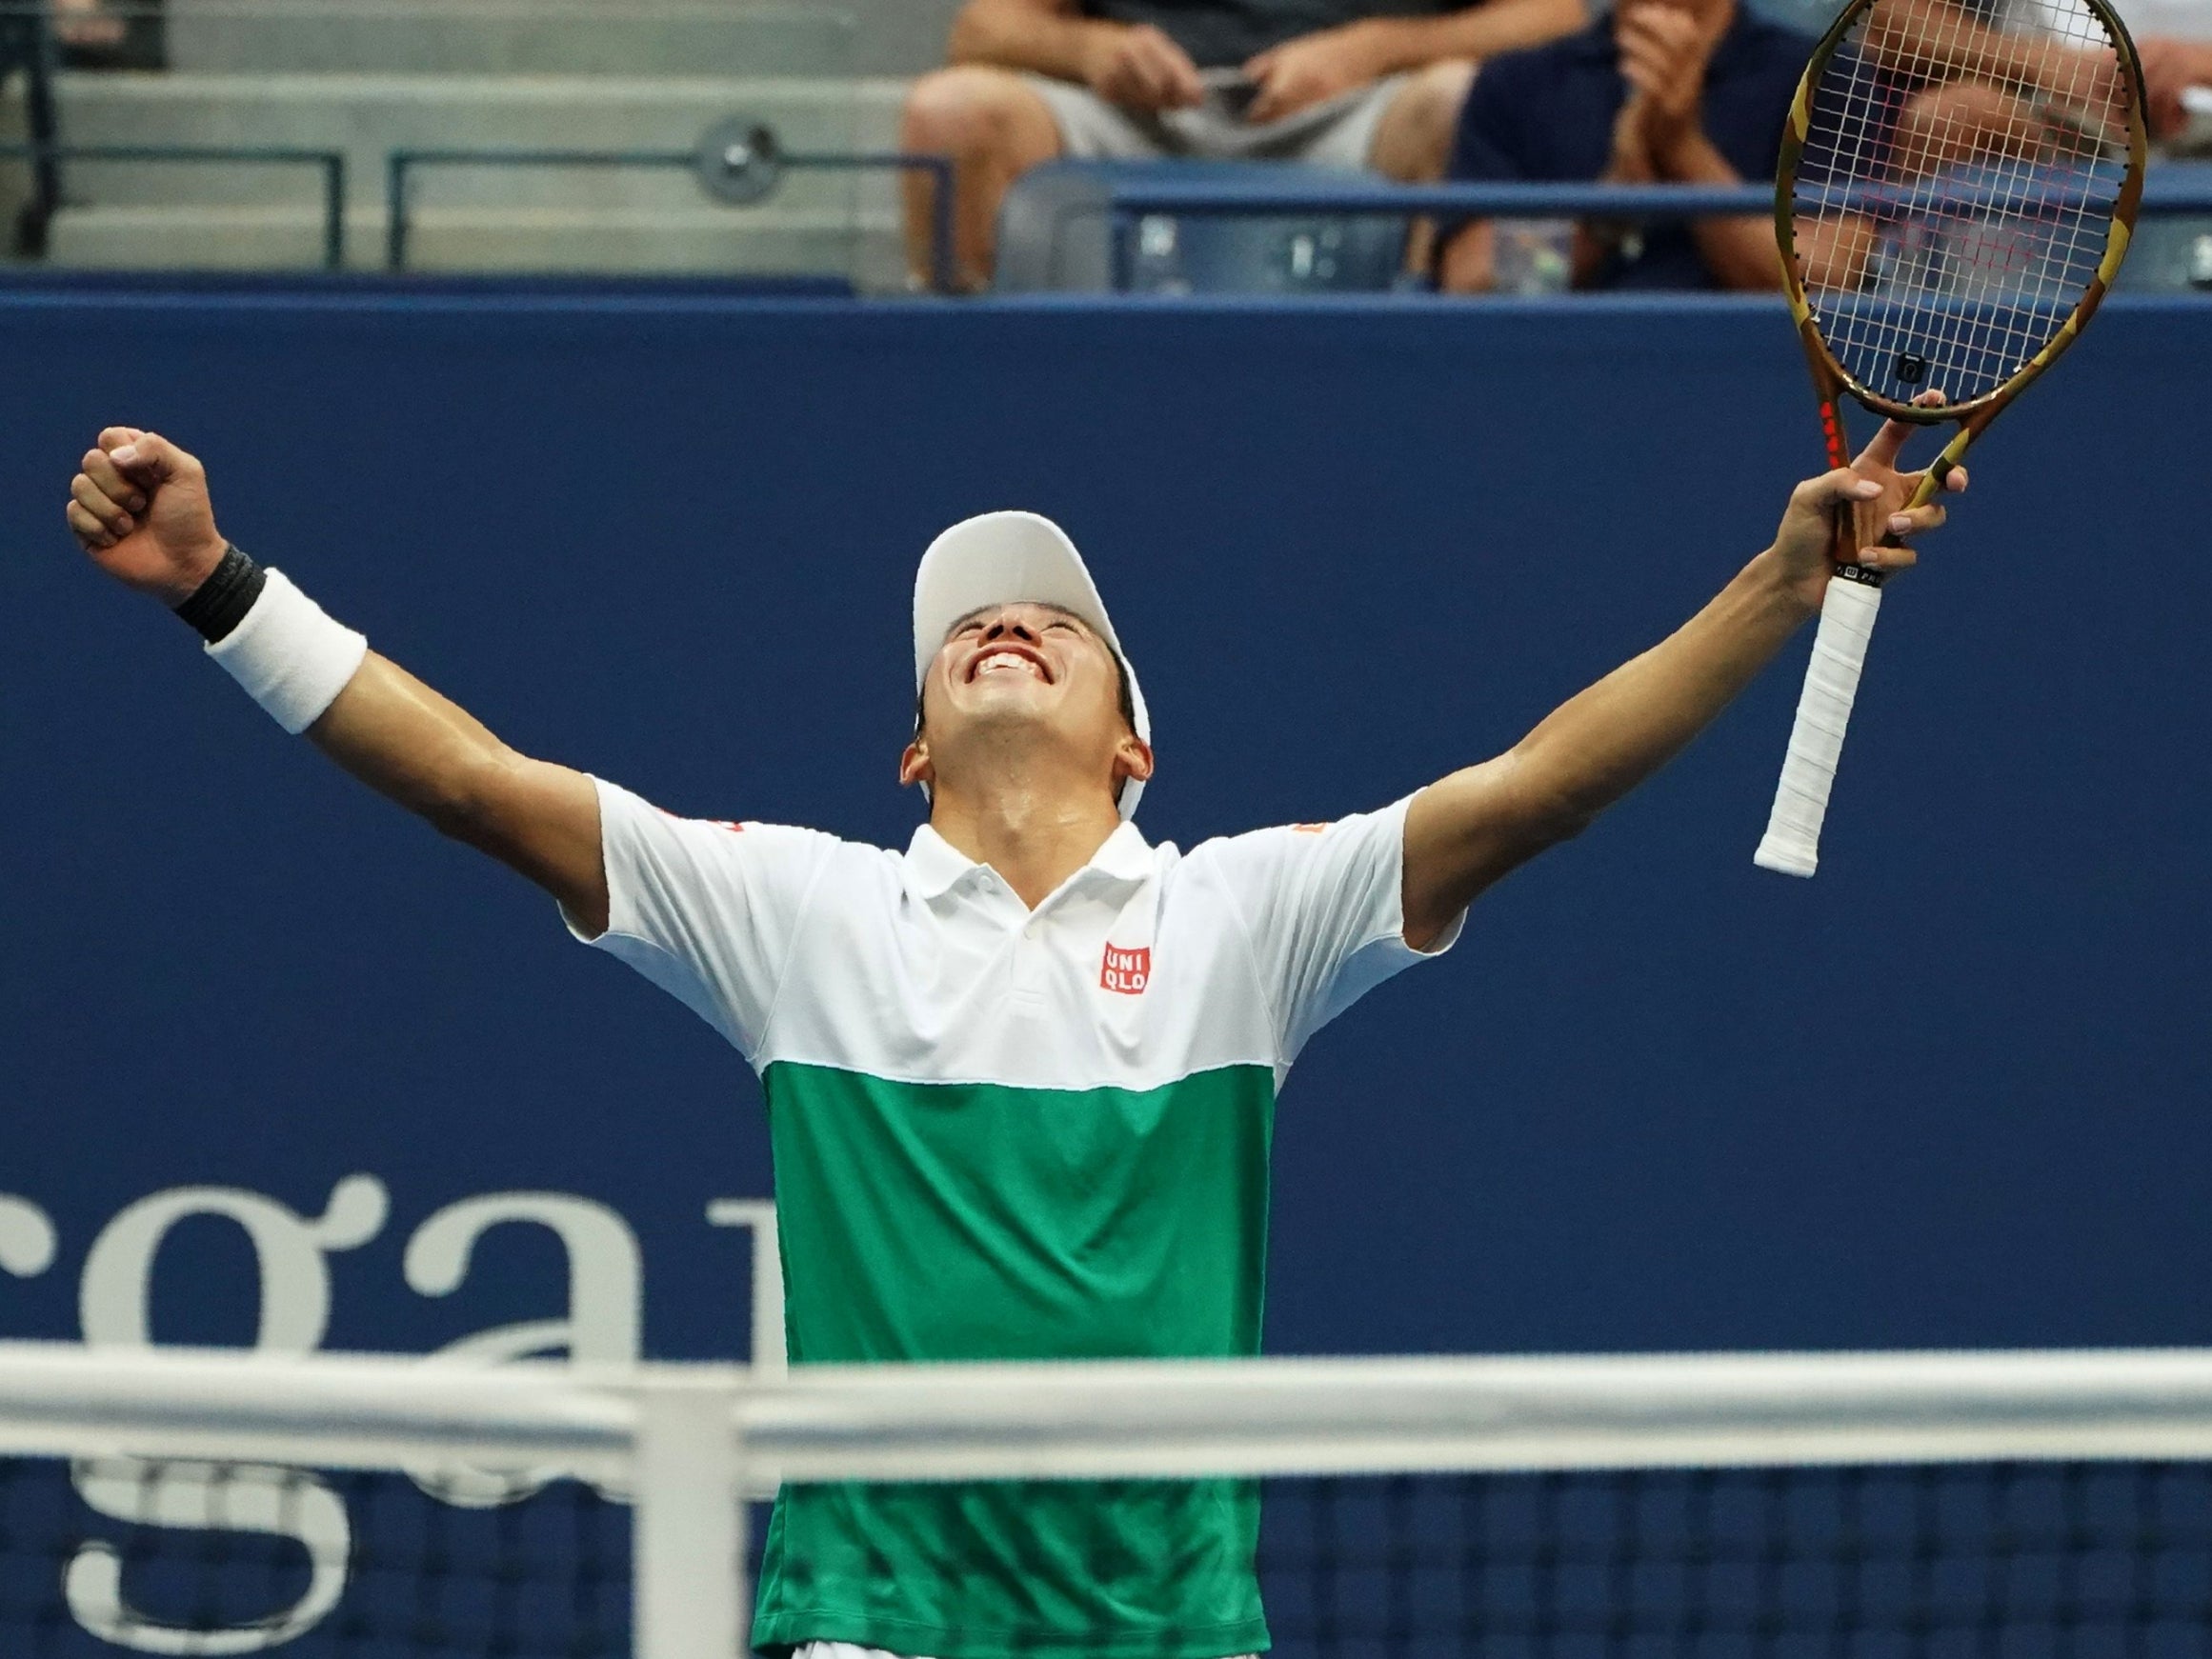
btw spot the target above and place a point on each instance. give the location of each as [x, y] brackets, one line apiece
[220, 604]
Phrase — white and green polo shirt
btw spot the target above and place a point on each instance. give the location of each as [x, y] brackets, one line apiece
[1002, 1133]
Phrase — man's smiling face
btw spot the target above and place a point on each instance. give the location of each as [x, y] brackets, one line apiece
[1031, 673]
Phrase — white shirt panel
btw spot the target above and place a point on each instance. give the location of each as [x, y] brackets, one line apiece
[1144, 967]
[706, 910]
[1325, 905]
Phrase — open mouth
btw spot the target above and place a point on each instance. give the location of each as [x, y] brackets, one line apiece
[1009, 660]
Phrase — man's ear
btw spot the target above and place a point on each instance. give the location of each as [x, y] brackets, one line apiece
[914, 765]
[1131, 759]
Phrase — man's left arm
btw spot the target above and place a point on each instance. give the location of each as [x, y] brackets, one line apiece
[1464, 832]
[1320, 66]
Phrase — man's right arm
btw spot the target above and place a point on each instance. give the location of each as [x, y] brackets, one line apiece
[139, 507]
[1133, 65]
[421, 749]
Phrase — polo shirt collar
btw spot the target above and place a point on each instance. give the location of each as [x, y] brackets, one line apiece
[935, 867]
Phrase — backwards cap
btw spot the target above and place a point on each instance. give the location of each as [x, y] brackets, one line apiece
[1002, 558]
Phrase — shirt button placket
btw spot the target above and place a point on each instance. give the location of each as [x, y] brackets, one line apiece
[1030, 964]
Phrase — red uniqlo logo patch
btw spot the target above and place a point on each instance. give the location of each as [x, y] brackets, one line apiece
[1127, 971]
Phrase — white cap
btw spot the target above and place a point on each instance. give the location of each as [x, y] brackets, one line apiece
[1003, 558]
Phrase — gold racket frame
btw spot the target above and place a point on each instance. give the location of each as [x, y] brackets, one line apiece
[1829, 378]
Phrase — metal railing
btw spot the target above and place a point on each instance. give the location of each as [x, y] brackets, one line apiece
[332, 162]
[400, 163]
[2185, 190]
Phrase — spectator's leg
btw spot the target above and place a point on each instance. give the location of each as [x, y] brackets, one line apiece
[1467, 266]
[82, 26]
[995, 127]
[1413, 142]
[1413, 139]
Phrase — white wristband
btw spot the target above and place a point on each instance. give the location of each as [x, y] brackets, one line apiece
[289, 655]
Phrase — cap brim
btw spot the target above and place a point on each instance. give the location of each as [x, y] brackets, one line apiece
[996, 559]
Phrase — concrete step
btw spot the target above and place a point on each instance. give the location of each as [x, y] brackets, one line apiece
[805, 37]
[499, 37]
[141, 215]
[702, 241]
[367, 116]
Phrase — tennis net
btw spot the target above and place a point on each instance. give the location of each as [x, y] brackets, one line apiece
[1990, 1506]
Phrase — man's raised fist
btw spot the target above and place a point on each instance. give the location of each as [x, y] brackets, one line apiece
[139, 506]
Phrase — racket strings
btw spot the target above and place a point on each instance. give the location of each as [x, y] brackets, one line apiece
[1976, 157]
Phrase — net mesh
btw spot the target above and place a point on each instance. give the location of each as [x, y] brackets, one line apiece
[1672, 1506]
[2006, 1560]
[1957, 187]
[1989, 1560]
[195, 1557]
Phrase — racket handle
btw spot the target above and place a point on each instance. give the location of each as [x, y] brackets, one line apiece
[1792, 842]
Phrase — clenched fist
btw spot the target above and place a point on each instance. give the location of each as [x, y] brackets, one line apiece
[139, 506]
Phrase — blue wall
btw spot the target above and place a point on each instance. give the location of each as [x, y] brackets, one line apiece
[1953, 1091]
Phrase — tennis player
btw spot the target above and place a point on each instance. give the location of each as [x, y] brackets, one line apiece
[1020, 1077]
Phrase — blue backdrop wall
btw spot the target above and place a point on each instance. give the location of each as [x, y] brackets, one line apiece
[1953, 1091]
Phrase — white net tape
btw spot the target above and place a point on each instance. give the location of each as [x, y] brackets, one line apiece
[1833, 1507]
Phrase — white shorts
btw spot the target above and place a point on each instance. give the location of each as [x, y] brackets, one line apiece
[1338, 132]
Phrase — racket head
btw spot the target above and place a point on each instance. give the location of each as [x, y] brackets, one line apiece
[1979, 270]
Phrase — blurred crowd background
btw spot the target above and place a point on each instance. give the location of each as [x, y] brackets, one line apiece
[230, 112]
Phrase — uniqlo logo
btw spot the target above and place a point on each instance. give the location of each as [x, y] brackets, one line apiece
[1127, 971]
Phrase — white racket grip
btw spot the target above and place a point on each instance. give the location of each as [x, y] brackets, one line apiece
[1792, 842]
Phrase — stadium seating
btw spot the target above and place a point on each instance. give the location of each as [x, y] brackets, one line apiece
[1054, 233]
[618, 74]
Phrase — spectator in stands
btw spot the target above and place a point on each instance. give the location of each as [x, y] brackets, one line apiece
[1689, 91]
[1346, 83]
[1932, 45]
[86, 26]
[2170, 68]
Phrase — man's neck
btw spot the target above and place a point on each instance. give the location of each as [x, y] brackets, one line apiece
[1035, 838]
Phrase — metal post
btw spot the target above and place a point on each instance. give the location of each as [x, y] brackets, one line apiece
[334, 211]
[396, 210]
[1120, 265]
[39, 68]
[944, 246]
[688, 1535]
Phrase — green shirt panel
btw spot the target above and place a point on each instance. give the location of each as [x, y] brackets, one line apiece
[978, 1221]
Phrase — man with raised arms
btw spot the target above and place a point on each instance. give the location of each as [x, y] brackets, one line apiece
[1020, 1078]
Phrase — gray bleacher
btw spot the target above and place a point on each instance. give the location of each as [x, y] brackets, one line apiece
[369, 76]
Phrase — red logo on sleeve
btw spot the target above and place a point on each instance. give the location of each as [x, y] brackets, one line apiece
[1127, 971]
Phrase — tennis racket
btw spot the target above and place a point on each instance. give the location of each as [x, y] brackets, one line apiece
[1957, 187]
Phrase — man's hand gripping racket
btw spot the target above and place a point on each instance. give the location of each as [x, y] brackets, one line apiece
[1927, 246]
[1855, 518]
